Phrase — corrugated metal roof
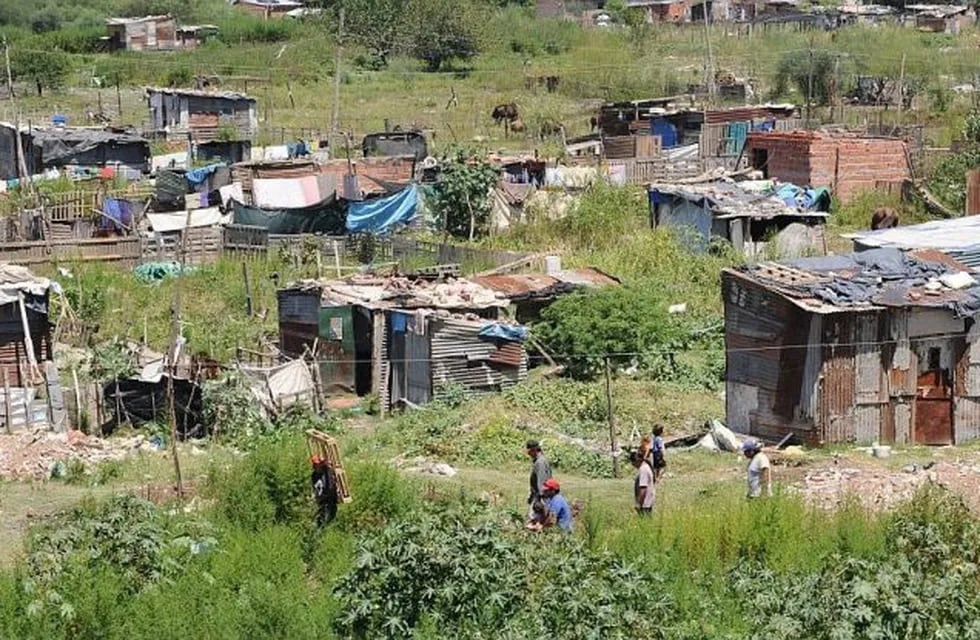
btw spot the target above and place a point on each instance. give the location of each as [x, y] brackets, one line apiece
[958, 237]
[519, 286]
[125, 21]
[221, 95]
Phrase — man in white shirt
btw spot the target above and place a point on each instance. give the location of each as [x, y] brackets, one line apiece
[759, 470]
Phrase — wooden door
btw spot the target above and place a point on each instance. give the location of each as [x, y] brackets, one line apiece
[934, 408]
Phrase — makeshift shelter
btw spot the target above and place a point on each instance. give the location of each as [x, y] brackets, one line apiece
[204, 116]
[69, 147]
[406, 341]
[395, 143]
[881, 345]
[147, 33]
[530, 293]
[326, 217]
[26, 352]
[751, 216]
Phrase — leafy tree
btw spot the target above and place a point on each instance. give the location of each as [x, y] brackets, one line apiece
[971, 128]
[444, 30]
[378, 25]
[47, 70]
[799, 68]
[462, 198]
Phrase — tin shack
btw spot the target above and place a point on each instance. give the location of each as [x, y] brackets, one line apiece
[407, 341]
[881, 345]
[205, 116]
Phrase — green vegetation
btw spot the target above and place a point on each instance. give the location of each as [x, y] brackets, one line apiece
[412, 559]
[460, 201]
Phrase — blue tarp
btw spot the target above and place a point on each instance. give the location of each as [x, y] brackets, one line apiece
[384, 214]
[118, 215]
[197, 176]
[508, 332]
[805, 199]
[666, 131]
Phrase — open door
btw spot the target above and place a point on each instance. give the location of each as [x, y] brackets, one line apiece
[934, 403]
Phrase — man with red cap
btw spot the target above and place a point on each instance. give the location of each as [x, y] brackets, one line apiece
[558, 510]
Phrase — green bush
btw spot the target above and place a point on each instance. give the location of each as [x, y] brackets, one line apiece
[460, 573]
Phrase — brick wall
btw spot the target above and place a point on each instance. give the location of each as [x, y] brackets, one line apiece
[847, 165]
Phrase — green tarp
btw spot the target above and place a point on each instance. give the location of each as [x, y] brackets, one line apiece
[328, 216]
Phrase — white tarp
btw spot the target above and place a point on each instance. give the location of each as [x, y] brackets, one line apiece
[286, 193]
[167, 222]
[280, 387]
[231, 192]
[15, 279]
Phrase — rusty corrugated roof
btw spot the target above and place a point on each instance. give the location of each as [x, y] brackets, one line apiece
[529, 285]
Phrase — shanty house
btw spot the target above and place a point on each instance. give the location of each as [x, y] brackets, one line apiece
[268, 8]
[530, 293]
[204, 115]
[874, 346]
[149, 33]
[846, 164]
[61, 147]
[407, 342]
[754, 217]
[940, 18]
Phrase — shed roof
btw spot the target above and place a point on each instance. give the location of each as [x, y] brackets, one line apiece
[873, 279]
[221, 95]
[16, 279]
[400, 292]
[540, 285]
[958, 237]
[731, 200]
[124, 21]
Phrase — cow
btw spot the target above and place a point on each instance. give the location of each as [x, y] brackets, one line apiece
[504, 113]
[516, 125]
[884, 218]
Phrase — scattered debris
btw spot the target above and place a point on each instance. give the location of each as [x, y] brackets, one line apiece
[422, 465]
[877, 488]
[35, 454]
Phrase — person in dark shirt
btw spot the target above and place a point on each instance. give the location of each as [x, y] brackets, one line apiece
[540, 472]
[324, 482]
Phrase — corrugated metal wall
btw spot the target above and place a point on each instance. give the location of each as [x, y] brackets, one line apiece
[460, 357]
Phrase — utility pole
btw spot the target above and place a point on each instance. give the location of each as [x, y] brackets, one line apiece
[10, 77]
[901, 87]
[709, 64]
[614, 447]
[809, 85]
[335, 122]
[174, 355]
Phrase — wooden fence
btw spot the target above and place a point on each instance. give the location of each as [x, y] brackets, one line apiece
[125, 251]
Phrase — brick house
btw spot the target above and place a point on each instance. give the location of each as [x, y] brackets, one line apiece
[846, 164]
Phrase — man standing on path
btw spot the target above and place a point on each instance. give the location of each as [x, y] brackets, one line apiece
[759, 470]
[644, 490]
[540, 473]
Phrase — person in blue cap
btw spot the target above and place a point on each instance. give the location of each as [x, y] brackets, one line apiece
[759, 470]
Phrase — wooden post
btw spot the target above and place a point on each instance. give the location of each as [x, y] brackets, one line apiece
[614, 447]
[336, 258]
[973, 192]
[28, 340]
[118, 99]
[6, 402]
[78, 400]
[335, 119]
[248, 290]
[901, 87]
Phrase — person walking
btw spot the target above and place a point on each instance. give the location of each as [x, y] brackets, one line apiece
[325, 490]
[658, 451]
[759, 470]
[644, 489]
[540, 473]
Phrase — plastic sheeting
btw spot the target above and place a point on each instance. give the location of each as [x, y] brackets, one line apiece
[287, 193]
[279, 387]
[804, 199]
[384, 214]
[199, 175]
[508, 332]
[324, 217]
[139, 402]
[169, 222]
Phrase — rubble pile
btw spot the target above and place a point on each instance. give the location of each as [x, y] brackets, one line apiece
[878, 488]
[35, 454]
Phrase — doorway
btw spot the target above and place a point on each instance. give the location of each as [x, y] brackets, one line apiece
[933, 401]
